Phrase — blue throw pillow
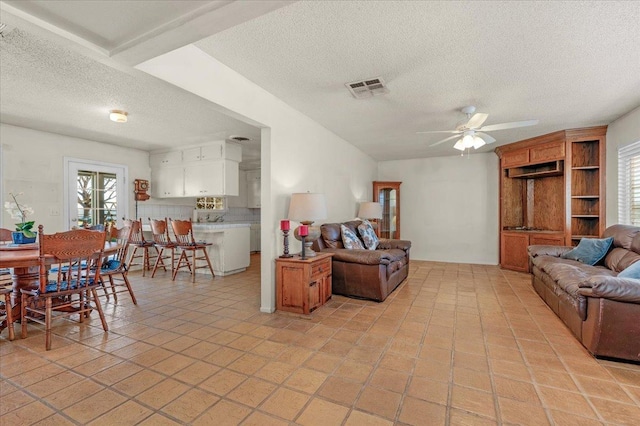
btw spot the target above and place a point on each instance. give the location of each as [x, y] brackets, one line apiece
[632, 271]
[590, 250]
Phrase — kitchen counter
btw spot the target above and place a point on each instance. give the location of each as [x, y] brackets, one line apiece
[229, 249]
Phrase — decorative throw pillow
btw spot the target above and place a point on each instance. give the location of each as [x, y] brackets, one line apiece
[590, 250]
[368, 235]
[632, 271]
[350, 239]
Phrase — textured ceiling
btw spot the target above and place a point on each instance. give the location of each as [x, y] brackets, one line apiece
[568, 64]
[48, 87]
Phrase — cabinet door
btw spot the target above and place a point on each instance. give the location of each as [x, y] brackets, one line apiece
[515, 158]
[290, 282]
[315, 295]
[231, 185]
[171, 158]
[513, 251]
[191, 154]
[167, 182]
[253, 189]
[204, 179]
[212, 152]
[546, 152]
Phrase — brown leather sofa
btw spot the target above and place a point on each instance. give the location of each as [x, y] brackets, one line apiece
[367, 274]
[602, 310]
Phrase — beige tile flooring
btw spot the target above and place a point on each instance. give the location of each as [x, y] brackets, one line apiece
[455, 344]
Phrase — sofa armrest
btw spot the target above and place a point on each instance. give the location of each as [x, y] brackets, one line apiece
[363, 257]
[539, 250]
[386, 244]
[614, 288]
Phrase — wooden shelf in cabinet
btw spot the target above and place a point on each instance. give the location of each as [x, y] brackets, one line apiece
[586, 168]
[586, 215]
[537, 170]
[585, 197]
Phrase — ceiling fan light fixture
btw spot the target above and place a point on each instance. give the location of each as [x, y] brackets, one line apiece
[478, 142]
[467, 140]
[459, 145]
[118, 116]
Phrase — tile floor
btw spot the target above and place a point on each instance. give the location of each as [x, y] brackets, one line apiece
[455, 344]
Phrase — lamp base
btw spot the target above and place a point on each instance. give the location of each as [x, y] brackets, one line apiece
[314, 234]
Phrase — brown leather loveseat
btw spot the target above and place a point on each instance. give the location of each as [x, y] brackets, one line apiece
[367, 274]
[600, 308]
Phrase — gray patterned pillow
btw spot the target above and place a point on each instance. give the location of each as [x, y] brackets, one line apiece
[368, 235]
[350, 239]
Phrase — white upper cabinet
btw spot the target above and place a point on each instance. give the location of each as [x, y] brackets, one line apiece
[208, 170]
[169, 158]
[241, 199]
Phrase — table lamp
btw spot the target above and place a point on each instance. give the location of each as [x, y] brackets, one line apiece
[372, 211]
[306, 208]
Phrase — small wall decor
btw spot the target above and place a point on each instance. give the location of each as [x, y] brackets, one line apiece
[141, 188]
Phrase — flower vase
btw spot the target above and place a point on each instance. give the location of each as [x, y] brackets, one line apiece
[19, 238]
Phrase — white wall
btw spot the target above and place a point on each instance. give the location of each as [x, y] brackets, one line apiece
[449, 206]
[298, 154]
[621, 132]
[32, 162]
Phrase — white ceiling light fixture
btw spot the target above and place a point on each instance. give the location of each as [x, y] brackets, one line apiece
[118, 116]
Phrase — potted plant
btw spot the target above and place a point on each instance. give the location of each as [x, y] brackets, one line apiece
[23, 233]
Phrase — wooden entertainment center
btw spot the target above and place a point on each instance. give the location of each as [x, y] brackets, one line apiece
[552, 191]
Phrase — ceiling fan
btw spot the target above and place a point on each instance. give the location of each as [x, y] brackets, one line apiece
[470, 131]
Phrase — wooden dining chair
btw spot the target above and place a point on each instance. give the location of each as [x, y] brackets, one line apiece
[162, 243]
[114, 267]
[6, 317]
[137, 242]
[183, 231]
[77, 255]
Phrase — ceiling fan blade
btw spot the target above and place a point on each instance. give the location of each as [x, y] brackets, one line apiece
[486, 137]
[439, 131]
[511, 125]
[444, 140]
[477, 120]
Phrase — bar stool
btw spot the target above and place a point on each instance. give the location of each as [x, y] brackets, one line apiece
[183, 231]
[137, 241]
[162, 242]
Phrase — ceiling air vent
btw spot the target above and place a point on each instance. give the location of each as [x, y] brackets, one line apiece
[367, 88]
[239, 138]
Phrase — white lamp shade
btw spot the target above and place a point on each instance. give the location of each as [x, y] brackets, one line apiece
[307, 207]
[370, 210]
[459, 145]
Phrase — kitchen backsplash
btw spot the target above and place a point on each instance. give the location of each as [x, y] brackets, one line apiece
[233, 214]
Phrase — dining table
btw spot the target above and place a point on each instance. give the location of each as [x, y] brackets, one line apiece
[23, 260]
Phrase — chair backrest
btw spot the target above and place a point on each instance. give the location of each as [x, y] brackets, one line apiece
[136, 231]
[183, 231]
[121, 237]
[5, 235]
[76, 256]
[160, 231]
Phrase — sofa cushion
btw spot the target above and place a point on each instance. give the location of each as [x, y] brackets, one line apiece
[622, 235]
[350, 239]
[368, 235]
[632, 271]
[590, 250]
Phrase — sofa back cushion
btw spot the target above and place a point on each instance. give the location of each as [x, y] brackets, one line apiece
[332, 235]
[622, 235]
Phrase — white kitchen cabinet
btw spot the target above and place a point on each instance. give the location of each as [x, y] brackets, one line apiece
[162, 159]
[212, 151]
[211, 178]
[167, 182]
[253, 189]
[241, 199]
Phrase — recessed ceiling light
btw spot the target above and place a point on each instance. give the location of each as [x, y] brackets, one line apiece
[118, 116]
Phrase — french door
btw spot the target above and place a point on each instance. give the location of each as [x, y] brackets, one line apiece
[95, 192]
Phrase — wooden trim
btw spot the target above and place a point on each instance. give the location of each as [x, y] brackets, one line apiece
[377, 186]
